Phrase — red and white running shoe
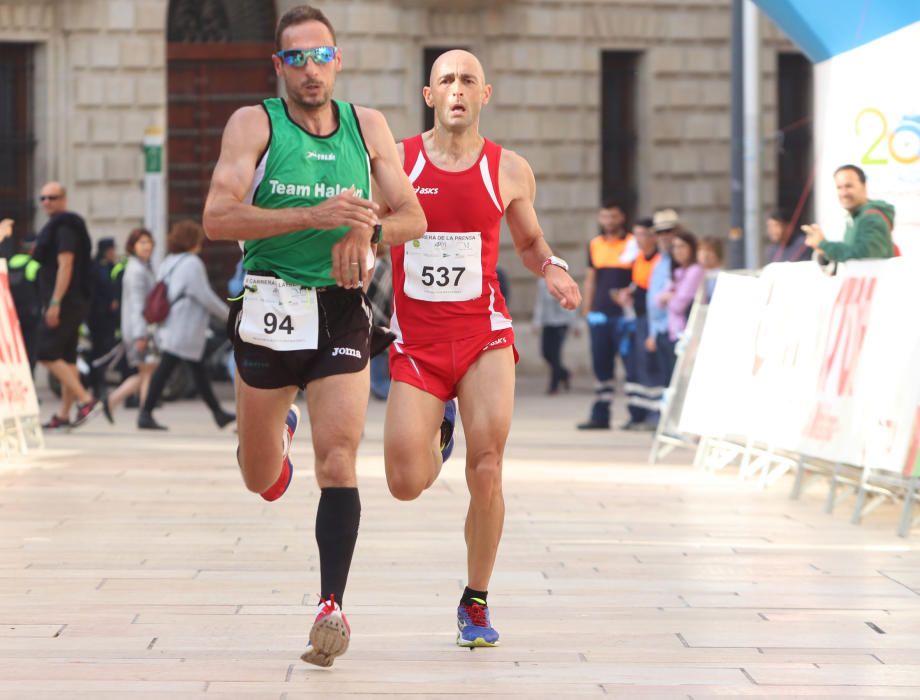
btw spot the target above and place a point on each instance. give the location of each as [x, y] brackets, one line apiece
[277, 490]
[329, 636]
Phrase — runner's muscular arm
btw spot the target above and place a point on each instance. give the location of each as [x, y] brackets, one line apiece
[406, 220]
[227, 217]
[378, 197]
[519, 188]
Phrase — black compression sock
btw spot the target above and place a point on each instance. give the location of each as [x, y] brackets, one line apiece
[337, 518]
[470, 596]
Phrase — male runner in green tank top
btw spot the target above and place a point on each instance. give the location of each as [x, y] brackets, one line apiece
[293, 183]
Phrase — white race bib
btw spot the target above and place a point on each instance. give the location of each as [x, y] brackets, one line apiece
[444, 267]
[278, 315]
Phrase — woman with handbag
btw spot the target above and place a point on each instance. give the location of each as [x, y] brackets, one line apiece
[136, 284]
[181, 337]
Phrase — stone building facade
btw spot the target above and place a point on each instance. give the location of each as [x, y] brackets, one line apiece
[98, 74]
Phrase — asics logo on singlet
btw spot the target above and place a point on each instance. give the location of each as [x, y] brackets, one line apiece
[313, 155]
[426, 190]
[346, 351]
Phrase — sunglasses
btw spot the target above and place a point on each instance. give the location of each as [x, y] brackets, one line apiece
[51, 197]
[298, 57]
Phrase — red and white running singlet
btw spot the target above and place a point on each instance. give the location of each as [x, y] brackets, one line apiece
[444, 284]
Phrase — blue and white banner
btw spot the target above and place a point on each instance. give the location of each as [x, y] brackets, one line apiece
[823, 29]
[867, 112]
[866, 99]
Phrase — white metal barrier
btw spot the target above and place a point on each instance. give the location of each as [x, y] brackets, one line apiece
[795, 371]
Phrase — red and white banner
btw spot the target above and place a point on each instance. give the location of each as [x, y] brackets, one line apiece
[17, 391]
[828, 367]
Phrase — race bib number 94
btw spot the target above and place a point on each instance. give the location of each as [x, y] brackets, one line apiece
[444, 267]
[278, 315]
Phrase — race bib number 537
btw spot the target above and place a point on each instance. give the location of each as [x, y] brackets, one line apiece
[444, 267]
[278, 315]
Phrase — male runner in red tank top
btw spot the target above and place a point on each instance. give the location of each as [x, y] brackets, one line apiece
[454, 334]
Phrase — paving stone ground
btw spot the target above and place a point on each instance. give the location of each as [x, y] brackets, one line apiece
[135, 564]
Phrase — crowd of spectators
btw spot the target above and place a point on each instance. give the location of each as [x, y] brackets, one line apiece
[639, 287]
[641, 284]
[65, 298]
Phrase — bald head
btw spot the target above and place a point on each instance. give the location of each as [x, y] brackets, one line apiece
[53, 198]
[457, 91]
[456, 62]
[54, 187]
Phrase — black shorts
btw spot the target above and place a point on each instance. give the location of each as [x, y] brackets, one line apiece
[343, 344]
[60, 343]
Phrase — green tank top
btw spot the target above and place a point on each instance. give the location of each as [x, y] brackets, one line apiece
[299, 169]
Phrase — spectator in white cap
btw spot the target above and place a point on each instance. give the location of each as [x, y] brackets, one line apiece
[666, 223]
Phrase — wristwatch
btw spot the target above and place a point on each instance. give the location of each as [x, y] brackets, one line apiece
[553, 260]
[378, 233]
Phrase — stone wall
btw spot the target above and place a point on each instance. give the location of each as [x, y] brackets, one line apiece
[101, 81]
[544, 61]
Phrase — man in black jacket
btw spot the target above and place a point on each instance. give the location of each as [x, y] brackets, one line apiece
[64, 281]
